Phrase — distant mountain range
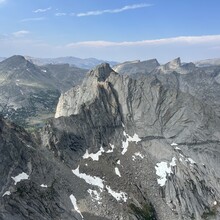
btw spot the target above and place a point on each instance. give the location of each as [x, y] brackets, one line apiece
[28, 91]
[81, 63]
[30, 87]
[87, 63]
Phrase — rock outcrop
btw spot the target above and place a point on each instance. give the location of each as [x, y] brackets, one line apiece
[177, 131]
[119, 148]
[136, 68]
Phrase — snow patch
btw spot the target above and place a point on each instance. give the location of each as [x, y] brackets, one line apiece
[118, 196]
[95, 195]
[75, 206]
[215, 203]
[118, 162]
[117, 172]
[174, 144]
[22, 93]
[92, 180]
[138, 154]
[7, 193]
[125, 144]
[111, 150]
[163, 169]
[43, 186]
[191, 160]
[44, 71]
[173, 162]
[95, 157]
[177, 148]
[20, 177]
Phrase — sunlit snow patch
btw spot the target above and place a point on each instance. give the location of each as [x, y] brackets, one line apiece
[43, 186]
[7, 193]
[95, 156]
[117, 172]
[173, 162]
[118, 196]
[20, 177]
[190, 160]
[138, 154]
[125, 144]
[73, 200]
[92, 180]
[111, 150]
[174, 144]
[95, 195]
[163, 169]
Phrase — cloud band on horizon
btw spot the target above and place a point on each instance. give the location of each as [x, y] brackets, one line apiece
[179, 39]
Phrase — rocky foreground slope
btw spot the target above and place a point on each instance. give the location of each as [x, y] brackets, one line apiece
[119, 148]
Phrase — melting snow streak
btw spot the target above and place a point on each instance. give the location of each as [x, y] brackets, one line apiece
[73, 200]
[92, 180]
[118, 196]
[117, 171]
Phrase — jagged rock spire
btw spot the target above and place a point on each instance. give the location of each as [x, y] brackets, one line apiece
[102, 72]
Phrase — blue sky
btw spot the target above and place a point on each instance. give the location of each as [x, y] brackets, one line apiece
[111, 29]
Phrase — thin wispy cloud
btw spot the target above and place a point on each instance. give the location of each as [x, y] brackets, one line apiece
[60, 14]
[113, 11]
[187, 47]
[163, 41]
[21, 33]
[33, 19]
[40, 10]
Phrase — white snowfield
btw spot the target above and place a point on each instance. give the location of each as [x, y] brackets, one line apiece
[92, 180]
[163, 169]
[20, 177]
[96, 181]
[95, 195]
[125, 144]
[95, 157]
[118, 196]
[73, 200]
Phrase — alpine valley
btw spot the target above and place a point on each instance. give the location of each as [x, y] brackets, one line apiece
[135, 141]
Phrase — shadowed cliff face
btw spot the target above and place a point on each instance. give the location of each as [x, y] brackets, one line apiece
[119, 148]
